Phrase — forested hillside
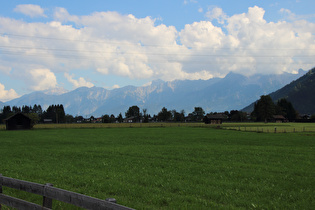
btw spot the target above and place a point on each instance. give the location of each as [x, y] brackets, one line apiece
[299, 92]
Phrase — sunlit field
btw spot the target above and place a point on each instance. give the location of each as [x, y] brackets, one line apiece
[166, 166]
[271, 127]
[251, 127]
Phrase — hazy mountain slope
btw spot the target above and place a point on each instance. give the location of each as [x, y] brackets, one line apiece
[299, 92]
[217, 94]
[83, 101]
[34, 98]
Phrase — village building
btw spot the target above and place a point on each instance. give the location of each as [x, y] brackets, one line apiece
[129, 120]
[48, 121]
[98, 120]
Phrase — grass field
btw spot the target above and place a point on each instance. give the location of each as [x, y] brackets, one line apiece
[167, 167]
[250, 126]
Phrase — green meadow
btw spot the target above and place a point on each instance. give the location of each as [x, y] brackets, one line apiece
[167, 167]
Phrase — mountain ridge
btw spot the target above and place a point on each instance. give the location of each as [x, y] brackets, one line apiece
[232, 92]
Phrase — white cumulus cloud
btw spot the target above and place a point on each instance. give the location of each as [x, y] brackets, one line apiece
[115, 86]
[81, 82]
[216, 13]
[41, 79]
[7, 95]
[30, 10]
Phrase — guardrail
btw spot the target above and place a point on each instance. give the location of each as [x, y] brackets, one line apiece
[49, 194]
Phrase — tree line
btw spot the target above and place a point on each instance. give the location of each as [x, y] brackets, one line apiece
[54, 113]
[264, 110]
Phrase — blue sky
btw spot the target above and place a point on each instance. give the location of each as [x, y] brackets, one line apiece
[58, 46]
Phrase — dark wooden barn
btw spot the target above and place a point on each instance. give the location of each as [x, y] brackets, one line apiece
[18, 121]
[214, 118]
[279, 118]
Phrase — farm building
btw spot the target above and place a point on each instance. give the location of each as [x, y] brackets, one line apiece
[18, 121]
[279, 118]
[130, 120]
[214, 118]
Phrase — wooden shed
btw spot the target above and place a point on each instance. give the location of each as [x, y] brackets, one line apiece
[279, 118]
[18, 121]
[213, 118]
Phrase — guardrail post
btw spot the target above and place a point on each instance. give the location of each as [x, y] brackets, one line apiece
[47, 202]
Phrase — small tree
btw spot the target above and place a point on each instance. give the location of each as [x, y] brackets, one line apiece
[133, 111]
[16, 109]
[6, 111]
[56, 113]
[164, 115]
[26, 109]
[105, 118]
[198, 114]
[112, 118]
[286, 109]
[69, 118]
[120, 118]
[264, 109]
[79, 119]
[237, 116]
[34, 118]
[60, 113]
[37, 109]
[145, 116]
[178, 116]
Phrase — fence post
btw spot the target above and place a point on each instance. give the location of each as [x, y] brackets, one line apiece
[112, 200]
[1, 180]
[47, 202]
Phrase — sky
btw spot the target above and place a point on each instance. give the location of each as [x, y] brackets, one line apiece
[60, 45]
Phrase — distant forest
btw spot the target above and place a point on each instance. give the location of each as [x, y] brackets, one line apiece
[264, 110]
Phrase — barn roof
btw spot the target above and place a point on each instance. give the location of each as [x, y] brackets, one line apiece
[280, 117]
[17, 114]
[216, 116]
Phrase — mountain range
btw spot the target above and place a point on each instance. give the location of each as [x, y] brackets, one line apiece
[233, 92]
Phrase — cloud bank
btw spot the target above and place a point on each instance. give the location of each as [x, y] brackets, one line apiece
[109, 43]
